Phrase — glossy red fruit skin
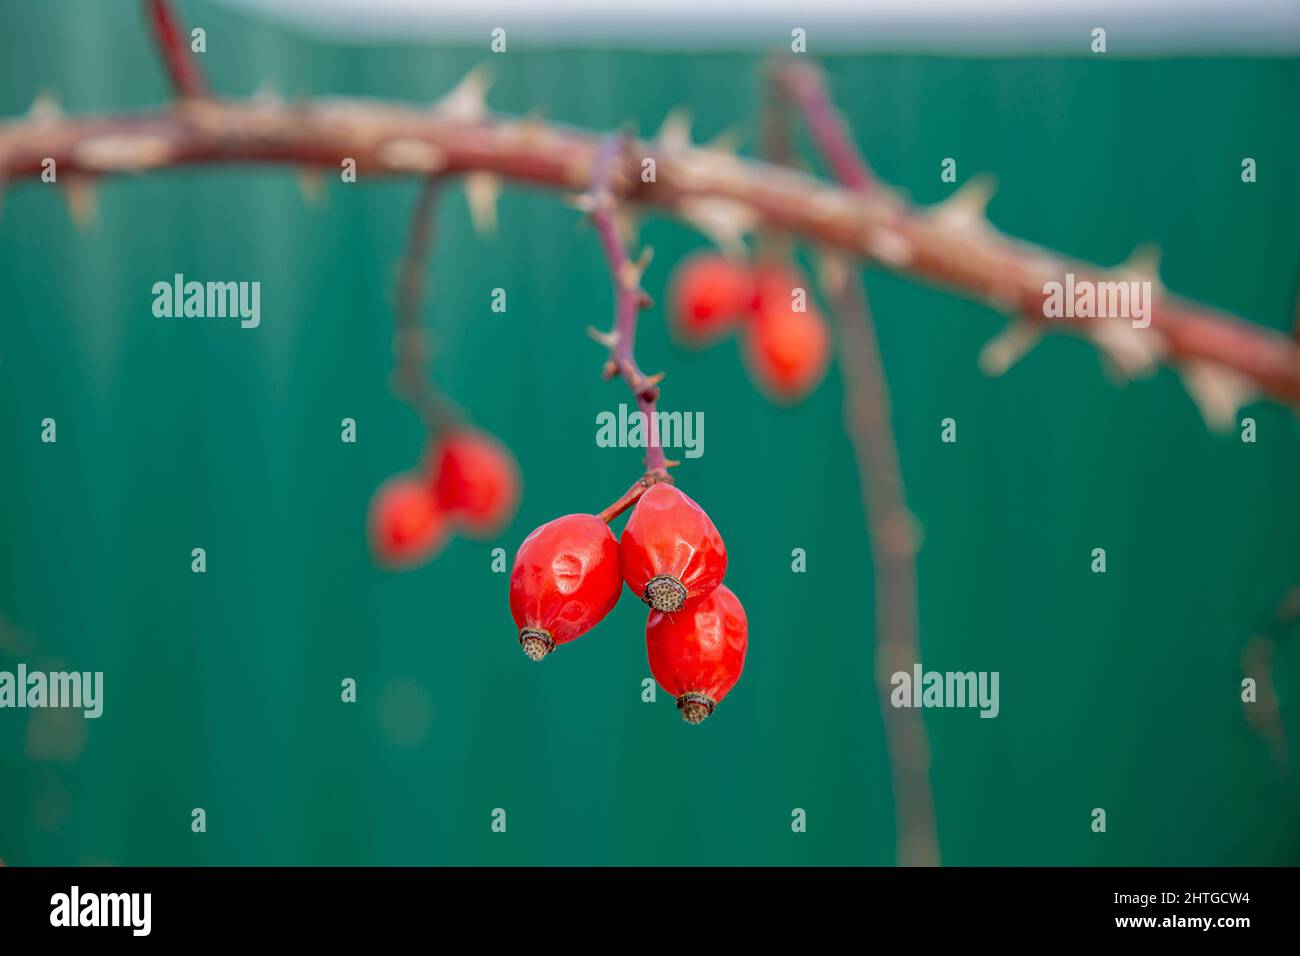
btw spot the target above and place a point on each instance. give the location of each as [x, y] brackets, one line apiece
[669, 535]
[698, 654]
[405, 524]
[476, 478]
[566, 578]
[710, 295]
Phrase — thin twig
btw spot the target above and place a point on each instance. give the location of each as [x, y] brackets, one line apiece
[1264, 714]
[629, 299]
[1295, 319]
[826, 125]
[893, 548]
[186, 78]
[778, 149]
[932, 245]
[632, 495]
[410, 342]
[890, 526]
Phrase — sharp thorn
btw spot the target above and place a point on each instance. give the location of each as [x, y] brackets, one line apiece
[467, 100]
[967, 207]
[675, 131]
[79, 192]
[1219, 393]
[607, 339]
[583, 202]
[311, 185]
[45, 108]
[1008, 347]
[482, 190]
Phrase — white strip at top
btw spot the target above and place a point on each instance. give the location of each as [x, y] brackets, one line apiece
[982, 27]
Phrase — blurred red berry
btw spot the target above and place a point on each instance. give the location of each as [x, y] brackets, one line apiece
[788, 353]
[774, 286]
[406, 525]
[475, 478]
[710, 296]
[697, 655]
[787, 349]
[671, 551]
[565, 579]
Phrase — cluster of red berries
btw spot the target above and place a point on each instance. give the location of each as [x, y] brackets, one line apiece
[570, 572]
[787, 343]
[470, 483]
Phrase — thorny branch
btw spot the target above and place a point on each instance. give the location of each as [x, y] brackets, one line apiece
[893, 549]
[629, 299]
[889, 522]
[1225, 361]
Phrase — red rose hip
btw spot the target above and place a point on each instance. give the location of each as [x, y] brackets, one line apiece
[406, 525]
[709, 296]
[697, 655]
[787, 350]
[671, 551]
[476, 478]
[565, 579]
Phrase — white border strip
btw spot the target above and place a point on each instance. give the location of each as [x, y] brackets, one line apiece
[1133, 27]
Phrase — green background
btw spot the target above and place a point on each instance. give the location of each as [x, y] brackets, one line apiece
[223, 690]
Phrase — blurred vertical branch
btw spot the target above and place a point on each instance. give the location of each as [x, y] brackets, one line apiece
[890, 525]
[410, 342]
[1264, 714]
[1295, 320]
[171, 39]
[893, 548]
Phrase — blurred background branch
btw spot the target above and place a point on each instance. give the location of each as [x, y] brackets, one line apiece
[1226, 360]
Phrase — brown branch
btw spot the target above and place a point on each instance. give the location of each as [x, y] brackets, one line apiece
[601, 201]
[186, 78]
[1264, 714]
[891, 530]
[777, 148]
[890, 527]
[939, 245]
[410, 342]
[826, 125]
[1295, 319]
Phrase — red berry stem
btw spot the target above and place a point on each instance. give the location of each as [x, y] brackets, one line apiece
[633, 495]
[889, 522]
[629, 297]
